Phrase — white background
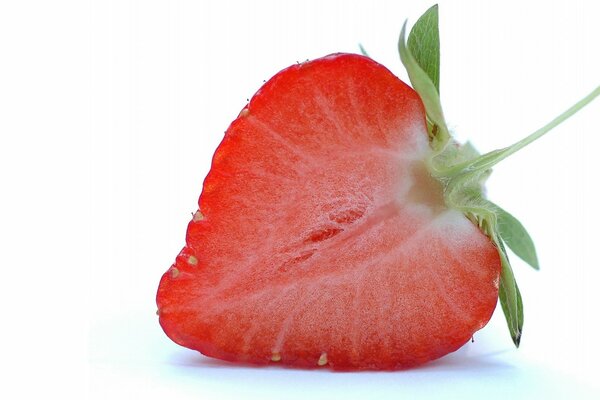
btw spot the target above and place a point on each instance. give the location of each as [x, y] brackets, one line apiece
[110, 112]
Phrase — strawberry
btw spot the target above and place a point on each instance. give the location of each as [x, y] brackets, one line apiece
[340, 225]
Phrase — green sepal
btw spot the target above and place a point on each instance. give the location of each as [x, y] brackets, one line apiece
[510, 297]
[363, 51]
[424, 44]
[422, 82]
[515, 236]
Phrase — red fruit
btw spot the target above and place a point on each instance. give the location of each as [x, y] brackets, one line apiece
[321, 237]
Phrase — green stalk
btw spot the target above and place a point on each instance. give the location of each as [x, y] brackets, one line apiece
[552, 124]
[492, 158]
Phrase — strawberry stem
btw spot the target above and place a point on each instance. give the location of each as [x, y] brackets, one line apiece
[552, 124]
[488, 160]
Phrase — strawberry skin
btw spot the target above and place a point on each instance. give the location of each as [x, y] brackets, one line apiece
[321, 240]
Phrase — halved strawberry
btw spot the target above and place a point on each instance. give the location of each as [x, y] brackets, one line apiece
[321, 237]
[340, 225]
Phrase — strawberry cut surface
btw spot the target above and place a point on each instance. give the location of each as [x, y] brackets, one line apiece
[321, 240]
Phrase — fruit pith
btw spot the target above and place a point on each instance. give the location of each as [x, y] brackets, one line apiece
[321, 239]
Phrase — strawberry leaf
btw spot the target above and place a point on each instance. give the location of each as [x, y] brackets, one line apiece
[363, 51]
[428, 92]
[510, 297]
[424, 44]
[514, 235]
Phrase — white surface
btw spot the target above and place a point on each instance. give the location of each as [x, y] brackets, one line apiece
[110, 112]
[130, 366]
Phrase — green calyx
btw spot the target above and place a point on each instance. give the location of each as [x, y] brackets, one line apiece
[463, 171]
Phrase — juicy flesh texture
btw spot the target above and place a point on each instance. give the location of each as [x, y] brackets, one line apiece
[321, 239]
